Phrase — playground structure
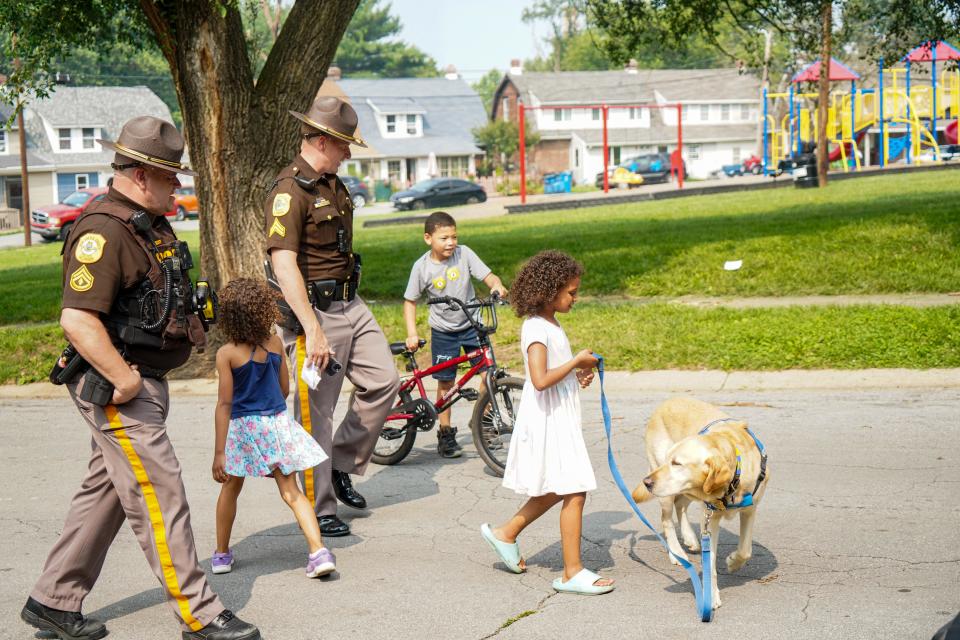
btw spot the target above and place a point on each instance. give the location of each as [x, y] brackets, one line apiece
[604, 112]
[900, 113]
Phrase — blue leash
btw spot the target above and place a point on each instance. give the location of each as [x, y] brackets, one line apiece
[703, 594]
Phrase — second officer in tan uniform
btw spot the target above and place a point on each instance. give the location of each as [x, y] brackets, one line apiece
[309, 226]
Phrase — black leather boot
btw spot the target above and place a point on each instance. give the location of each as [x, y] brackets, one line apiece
[343, 488]
[68, 625]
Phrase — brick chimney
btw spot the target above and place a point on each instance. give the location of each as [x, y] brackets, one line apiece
[333, 72]
[516, 67]
[450, 72]
[631, 66]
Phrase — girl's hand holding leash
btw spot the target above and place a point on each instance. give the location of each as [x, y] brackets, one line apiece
[585, 377]
[219, 466]
[585, 360]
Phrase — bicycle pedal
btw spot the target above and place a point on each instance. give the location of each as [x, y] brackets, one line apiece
[391, 433]
[470, 394]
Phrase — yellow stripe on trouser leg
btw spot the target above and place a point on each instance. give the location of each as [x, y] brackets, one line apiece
[156, 518]
[305, 422]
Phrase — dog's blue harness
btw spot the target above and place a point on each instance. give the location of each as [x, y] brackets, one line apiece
[747, 500]
[703, 593]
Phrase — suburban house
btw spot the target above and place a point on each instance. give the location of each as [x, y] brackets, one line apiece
[62, 132]
[415, 128]
[721, 111]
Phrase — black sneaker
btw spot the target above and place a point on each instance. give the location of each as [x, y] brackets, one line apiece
[225, 626]
[447, 445]
[67, 625]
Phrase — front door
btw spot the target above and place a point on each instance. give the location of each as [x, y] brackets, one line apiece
[411, 170]
[14, 195]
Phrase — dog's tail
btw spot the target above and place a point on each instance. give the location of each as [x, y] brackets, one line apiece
[641, 494]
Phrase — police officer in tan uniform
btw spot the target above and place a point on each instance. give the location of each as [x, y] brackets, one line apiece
[131, 314]
[309, 226]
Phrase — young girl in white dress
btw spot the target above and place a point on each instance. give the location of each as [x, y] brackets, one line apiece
[548, 459]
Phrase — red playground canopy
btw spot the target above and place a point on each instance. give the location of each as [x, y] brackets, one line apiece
[838, 71]
[924, 53]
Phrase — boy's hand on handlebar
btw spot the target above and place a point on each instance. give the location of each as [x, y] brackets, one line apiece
[585, 360]
[500, 291]
[413, 342]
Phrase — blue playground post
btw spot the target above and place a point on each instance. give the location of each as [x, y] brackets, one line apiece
[909, 124]
[933, 122]
[853, 121]
[792, 137]
[766, 145]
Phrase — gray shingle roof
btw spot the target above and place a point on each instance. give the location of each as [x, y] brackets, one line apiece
[451, 108]
[105, 107]
[573, 87]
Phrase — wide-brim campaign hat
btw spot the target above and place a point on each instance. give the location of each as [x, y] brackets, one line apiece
[150, 141]
[332, 116]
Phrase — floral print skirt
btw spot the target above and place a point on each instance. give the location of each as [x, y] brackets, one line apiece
[256, 445]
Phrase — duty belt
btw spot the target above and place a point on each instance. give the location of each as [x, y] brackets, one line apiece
[150, 372]
[323, 292]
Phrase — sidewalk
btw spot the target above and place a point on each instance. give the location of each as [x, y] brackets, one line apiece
[645, 381]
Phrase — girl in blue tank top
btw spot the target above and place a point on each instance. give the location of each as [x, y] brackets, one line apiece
[255, 434]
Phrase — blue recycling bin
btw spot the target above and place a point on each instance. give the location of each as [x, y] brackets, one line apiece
[561, 182]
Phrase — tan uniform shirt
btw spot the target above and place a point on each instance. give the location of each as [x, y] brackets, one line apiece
[101, 259]
[307, 220]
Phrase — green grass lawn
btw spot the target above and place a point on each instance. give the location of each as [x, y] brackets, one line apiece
[884, 234]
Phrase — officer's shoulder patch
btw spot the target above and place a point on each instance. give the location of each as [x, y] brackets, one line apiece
[89, 248]
[281, 204]
[81, 280]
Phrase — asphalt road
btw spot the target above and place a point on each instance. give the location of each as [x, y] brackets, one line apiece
[857, 536]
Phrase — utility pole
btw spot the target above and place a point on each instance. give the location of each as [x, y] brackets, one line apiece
[764, 83]
[24, 177]
[823, 162]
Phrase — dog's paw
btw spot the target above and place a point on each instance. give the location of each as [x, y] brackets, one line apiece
[735, 561]
[677, 553]
[715, 599]
[693, 546]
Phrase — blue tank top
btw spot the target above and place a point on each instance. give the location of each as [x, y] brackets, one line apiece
[256, 387]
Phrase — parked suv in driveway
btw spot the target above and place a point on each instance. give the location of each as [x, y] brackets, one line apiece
[53, 221]
[359, 192]
[652, 167]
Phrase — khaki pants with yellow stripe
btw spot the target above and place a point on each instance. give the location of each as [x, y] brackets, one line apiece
[133, 474]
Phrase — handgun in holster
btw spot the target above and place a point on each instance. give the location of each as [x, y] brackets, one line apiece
[71, 367]
[288, 319]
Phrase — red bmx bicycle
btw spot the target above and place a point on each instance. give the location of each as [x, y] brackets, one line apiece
[495, 409]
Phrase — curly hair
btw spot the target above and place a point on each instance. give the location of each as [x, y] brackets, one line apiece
[248, 310]
[539, 281]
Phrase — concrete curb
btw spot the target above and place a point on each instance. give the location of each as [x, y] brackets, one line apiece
[668, 381]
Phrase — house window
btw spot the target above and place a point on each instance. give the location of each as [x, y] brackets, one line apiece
[595, 114]
[636, 113]
[693, 151]
[64, 139]
[82, 181]
[454, 166]
[613, 155]
[411, 124]
[391, 124]
[736, 154]
[505, 108]
[745, 112]
[88, 135]
[3, 141]
[684, 112]
[561, 114]
[576, 157]
[724, 112]
[393, 170]
[704, 112]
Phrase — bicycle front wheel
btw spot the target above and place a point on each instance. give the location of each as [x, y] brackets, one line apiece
[492, 430]
[395, 441]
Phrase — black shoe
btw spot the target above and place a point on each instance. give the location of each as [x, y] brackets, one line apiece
[68, 625]
[447, 445]
[343, 488]
[333, 527]
[225, 626]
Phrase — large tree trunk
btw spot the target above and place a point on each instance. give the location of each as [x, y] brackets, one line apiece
[823, 162]
[238, 132]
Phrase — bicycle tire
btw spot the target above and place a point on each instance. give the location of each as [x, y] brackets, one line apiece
[509, 389]
[406, 446]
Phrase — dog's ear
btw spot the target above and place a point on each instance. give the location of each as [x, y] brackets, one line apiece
[641, 494]
[719, 475]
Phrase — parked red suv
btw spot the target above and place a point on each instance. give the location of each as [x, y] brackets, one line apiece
[53, 221]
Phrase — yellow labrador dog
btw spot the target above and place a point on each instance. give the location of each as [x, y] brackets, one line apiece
[687, 466]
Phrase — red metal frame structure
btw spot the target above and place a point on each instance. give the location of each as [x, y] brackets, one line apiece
[604, 111]
[416, 379]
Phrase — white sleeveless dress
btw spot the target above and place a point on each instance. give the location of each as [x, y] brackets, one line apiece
[547, 453]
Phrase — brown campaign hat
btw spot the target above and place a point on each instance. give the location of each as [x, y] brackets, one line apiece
[150, 141]
[332, 116]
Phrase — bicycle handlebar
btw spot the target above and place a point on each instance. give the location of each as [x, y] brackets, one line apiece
[466, 307]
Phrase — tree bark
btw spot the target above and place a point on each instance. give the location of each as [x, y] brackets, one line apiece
[239, 133]
[823, 162]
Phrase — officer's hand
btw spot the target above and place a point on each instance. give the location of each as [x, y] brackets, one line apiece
[219, 467]
[413, 342]
[129, 388]
[318, 349]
